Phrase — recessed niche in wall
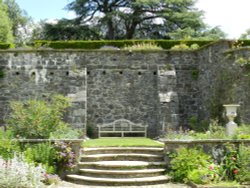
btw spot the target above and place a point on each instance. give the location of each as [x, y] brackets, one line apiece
[139, 73]
[155, 73]
[121, 72]
[104, 72]
[33, 73]
[88, 72]
[17, 73]
[51, 73]
[67, 73]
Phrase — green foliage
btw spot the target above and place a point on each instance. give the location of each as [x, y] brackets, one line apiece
[4, 46]
[44, 154]
[186, 160]
[37, 118]
[19, 20]
[214, 131]
[198, 126]
[164, 44]
[66, 132]
[143, 46]
[8, 147]
[204, 175]
[54, 158]
[243, 160]
[136, 19]
[242, 132]
[5, 24]
[235, 164]
[184, 46]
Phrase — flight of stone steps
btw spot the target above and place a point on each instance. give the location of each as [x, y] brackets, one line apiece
[118, 166]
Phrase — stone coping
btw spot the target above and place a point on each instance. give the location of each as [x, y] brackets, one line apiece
[49, 140]
[166, 141]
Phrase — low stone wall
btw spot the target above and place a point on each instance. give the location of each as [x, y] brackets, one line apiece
[213, 147]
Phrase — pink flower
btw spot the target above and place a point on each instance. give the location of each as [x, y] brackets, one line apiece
[211, 167]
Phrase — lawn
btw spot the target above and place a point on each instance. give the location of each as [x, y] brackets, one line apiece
[121, 142]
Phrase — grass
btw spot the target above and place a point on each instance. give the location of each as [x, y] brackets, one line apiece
[121, 142]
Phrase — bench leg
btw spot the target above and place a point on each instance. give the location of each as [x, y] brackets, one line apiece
[122, 134]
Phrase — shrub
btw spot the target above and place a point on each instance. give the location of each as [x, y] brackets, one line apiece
[37, 118]
[235, 164]
[165, 44]
[66, 132]
[243, 174]
[17, 173]
[66, 158]
[143, 46]
[43, 154]
[204, 175]
[242, 132]
[53, 157]
[187, 160]
[5, 46]
[184, 46]
[8, 147]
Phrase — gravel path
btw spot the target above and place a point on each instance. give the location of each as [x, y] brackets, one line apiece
[71, 185]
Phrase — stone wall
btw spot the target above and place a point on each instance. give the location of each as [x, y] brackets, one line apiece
[158, 88]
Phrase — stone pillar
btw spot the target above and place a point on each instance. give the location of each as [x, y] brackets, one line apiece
[168, 97]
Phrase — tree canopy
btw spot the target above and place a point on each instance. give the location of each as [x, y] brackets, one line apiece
[5, 24]
[126, 19]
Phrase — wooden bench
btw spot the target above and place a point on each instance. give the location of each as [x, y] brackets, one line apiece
[122, 126]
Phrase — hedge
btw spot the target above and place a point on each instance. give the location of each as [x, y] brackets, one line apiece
[165, 44]
[5, 46]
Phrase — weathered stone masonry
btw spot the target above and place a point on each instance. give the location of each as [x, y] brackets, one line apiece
[161, 88]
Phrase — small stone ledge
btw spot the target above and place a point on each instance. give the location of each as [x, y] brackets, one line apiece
[49, 140]
[203, 141]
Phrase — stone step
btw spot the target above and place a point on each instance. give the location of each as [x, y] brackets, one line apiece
[121, 157]
[104, 150]
[86, 180]
[122, 173]
[118, 165]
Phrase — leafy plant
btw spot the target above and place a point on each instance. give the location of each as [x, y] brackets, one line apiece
[186, 160]
[243, 174]
[18, 173]
[66, 158]
[38, 118]
[44, 154]
[204, 175]
[143, 46]
[184, 46]
[8, 147]
[229, 164]
[66, 132]
[242, 132]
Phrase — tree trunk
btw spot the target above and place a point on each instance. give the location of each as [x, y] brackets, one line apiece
[131, 31]
[111, 32]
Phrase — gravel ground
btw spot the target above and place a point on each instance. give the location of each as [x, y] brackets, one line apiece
[71, 185]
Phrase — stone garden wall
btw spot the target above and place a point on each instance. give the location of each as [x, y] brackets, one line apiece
[158, 88]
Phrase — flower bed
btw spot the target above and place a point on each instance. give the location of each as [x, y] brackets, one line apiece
[208, 162]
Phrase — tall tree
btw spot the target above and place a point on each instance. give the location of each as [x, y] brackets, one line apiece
[19, 20]
[5, 24]
[137, 18]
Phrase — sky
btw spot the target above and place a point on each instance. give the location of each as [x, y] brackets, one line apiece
[232, 16]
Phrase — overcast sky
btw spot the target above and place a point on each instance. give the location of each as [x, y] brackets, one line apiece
[233, 16]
